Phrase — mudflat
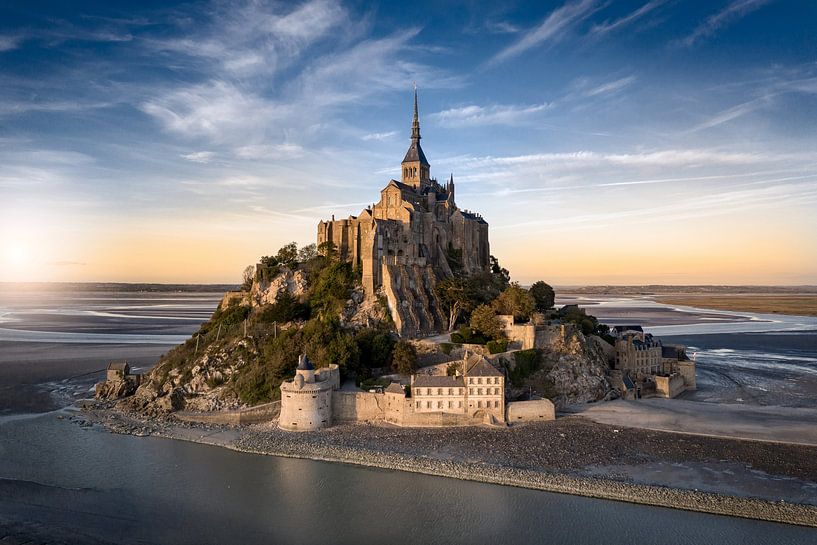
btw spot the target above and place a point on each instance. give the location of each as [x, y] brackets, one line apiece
[796, 305]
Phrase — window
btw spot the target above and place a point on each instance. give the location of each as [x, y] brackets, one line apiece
[459, 404]
[439, 404]
[450, 391]
[428, 404]
[449, 404]
[479, 404]
[417, 405]
[479, 391]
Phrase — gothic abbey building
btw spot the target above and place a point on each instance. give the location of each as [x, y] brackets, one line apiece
[409, 240]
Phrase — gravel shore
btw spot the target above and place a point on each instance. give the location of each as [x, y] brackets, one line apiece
[544, 456]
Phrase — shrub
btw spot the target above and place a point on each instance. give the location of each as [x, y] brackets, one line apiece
[485, 321]
[527, 363]
[446, 348]
[495, 347]
[543, 296]
[285, 309]
[376, 347]
[404, 358]
[457, 338]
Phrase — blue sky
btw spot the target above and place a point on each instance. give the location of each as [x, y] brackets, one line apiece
[605, 142]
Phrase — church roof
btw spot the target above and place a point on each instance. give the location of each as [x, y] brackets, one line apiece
[415, 153]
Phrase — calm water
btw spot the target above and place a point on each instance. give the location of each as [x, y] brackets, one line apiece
[150, 490]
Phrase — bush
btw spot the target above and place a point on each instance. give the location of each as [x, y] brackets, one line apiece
[446, 348]
[495, 347]
[527, 363]
[286, 308]
[457, 338]
[485, 322]
[404, 358]
[452, 368]
[331, 288]
[376, 347]
[543, 295]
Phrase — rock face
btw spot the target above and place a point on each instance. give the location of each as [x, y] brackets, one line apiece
[110, 390]
[265, 292]
[201, 388]
[573, 370]
[578, 369]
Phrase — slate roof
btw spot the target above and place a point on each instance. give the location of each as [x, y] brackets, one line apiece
[623, 328]
[472, 216]
[415, 153]
[478, 366]
[435, 381]
[304, 364]
[395, 388]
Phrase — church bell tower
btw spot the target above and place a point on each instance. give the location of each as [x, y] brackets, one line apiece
[416, 170]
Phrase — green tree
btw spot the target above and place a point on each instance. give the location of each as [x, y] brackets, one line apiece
[543, 296]
[515, 300]
[288, 254]
[310, 251]
[485, 322]
[456, 297]
[404, 358]
[328, 249]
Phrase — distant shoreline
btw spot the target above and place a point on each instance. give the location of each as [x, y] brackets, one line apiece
[790, 305]
[357, 449]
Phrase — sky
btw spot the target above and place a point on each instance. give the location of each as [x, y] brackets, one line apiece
[605, 142]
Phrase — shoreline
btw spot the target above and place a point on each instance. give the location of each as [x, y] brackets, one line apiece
[256, 440]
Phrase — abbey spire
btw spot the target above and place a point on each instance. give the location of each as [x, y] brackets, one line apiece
[416, 171]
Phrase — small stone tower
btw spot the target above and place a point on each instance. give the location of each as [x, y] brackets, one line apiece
[416, 170]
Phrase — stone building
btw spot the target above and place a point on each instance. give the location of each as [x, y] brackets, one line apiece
[119, 382]
[306, 400]
[313, 400]
[645, 367]
[478, 392]
[409, 240]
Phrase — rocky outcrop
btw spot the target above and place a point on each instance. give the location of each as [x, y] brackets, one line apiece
[111, 390]
[266, 292]
[573, 369]
[202, 387]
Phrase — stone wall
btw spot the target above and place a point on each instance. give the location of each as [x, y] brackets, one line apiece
[536, 410]
[687, 370]
[252, 415]
[669, 386]
[358, 406]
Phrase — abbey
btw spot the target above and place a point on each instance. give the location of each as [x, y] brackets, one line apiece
[409, 240]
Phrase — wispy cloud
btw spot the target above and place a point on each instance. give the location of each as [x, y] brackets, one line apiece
[734, 11]
[378, 135]
[252, 38]
[553, 28]
[202, 157]
[270, 151]
[7, 43]
[610, 87]
[730, 114]
[610, 26]
[498, 114]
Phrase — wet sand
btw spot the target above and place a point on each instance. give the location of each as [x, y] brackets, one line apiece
[40, 377]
